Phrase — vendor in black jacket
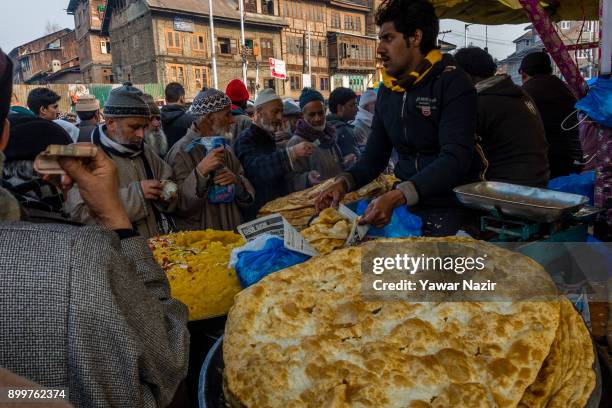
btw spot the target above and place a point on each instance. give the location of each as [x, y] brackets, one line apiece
[426, 110]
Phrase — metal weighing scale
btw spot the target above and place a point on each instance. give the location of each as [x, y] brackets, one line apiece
[527, 214]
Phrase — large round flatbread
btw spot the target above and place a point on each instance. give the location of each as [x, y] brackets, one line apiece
[303, 337]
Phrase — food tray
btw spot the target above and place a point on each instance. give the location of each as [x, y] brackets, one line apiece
[512, 200]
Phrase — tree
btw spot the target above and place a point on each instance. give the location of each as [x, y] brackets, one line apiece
[52, 27]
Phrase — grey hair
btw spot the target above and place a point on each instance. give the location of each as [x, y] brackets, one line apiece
[20, 169]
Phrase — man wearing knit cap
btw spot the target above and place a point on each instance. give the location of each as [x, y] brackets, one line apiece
[141, 170]
[88, 111]
[326, 160]
[363, 120]
[265, 164]
[199, 169]
[154, 135]
[86, 308]
[238, 93]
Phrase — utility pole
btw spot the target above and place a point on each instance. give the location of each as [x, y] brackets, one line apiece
[309, 67]
[466, 30]
[213, 45]
[487, 38]
[243, 42]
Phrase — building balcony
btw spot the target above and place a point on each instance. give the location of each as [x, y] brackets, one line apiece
[351, 53]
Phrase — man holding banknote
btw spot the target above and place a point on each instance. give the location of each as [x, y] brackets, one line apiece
[142, 173]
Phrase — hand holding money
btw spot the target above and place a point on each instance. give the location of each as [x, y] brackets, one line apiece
[47, 163]
[98, 184]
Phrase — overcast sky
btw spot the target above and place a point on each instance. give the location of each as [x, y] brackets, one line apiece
[25, 20]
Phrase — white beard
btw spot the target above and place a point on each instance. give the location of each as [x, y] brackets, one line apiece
[320, 128]
[157, 141]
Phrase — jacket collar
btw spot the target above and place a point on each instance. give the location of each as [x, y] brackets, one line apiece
[422, 70]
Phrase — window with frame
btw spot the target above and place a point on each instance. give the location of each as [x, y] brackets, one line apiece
[588, 26]
[295, 82]
[335, 20]
[348, 23]
[225, 45]
[105, 47]
[198, 42]
[270, 83]
[173, 40]
[313, 81]
[266, 48]
[249, 44]
[565, 25]
[358, 23]
[135, 42]
[267, 7]
[201, 77]
[585, 54]
[293, 9]
[295, 45]
[324, 84]
[250, 6]
[176, 73]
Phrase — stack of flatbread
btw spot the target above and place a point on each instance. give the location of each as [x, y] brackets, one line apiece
[303, 337]
[298, 208]
[327, 232]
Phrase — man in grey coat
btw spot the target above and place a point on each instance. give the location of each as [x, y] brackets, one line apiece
[87, 309]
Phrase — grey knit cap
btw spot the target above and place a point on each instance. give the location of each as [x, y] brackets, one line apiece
[126, 101]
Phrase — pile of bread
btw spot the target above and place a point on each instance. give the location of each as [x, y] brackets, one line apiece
[298, 208]
[304, 337]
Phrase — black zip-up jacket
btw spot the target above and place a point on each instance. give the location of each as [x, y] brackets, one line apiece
[512, 134]
[432, 128]
[175, 122]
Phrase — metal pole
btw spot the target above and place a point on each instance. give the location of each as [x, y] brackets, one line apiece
[605, 30]
[213, 45]
[243, 42]
[487, 38]
[256, 78]
[309, 68]
[465, 35]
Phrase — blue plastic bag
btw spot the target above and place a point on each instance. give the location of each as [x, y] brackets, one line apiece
[262, 256]
[403, 223]
[598, 102]
[217, 194]
[583, 184]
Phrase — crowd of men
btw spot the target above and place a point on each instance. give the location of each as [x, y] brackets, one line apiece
[87, 308]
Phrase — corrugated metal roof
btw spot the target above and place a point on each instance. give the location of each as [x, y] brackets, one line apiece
[227, 9]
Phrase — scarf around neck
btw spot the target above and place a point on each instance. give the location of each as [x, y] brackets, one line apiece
[414, 77]
[327, 137]
[110, 146]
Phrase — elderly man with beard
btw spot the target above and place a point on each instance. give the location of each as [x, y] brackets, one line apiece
[198, 169]
[141, 170]
[265, 164]
[326, 160]
[155, 137]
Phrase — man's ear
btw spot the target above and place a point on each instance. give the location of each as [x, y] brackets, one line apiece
[4, 136]
[415, 39]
